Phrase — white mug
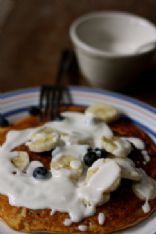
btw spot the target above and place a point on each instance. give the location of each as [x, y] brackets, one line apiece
[110, 47]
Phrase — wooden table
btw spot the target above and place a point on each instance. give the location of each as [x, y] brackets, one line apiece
[36, 31]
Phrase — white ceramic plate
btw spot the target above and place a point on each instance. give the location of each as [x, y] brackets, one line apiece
[15, 105]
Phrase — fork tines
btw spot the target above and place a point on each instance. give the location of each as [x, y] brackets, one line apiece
[51, 98]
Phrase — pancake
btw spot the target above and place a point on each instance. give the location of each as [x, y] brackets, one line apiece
[122, 211]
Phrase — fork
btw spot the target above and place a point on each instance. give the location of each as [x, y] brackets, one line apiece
[53, 96]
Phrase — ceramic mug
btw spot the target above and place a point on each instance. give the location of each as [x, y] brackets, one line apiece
[113, 48]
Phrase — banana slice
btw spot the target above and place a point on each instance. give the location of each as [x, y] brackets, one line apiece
[43, 140]
[146, 188]
[128, 170]
[103, 112]
[89, 200]
[69, 162]
[76, 138]
[104, 175]
[21, 161]
[116, 146]
[105, 199]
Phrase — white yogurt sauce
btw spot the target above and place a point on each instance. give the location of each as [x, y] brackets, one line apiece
[146, 207]
[32, 166]
[82, 228]
[16, 138]
[128, 169]
[67, 222]
[76, 150]
[78, 131]
[75, 164]
[145, 189]
[52, 212]
[101, 218]
[58, 192]
[138, 143]
[146, 156]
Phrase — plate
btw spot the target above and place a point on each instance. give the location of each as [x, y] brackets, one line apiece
[15, 106]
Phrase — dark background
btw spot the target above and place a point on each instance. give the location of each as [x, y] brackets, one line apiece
[36, 31]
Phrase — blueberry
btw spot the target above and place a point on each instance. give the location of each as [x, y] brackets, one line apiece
[101, 153]
[93, 154]
[41, 173]
[97, 149]
[34, 110]
[90, 149]
[90, 158]
[3, 121]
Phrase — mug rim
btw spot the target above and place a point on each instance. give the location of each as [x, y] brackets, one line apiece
[102, 53]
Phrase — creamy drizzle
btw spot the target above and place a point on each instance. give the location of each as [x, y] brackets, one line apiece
[138, 143]
[101, 218]
[146, 156]
[75, 164]
[146, 207]
[67, 222]
[145, 189]
[32, 166]
[16, 138]
[23, 189]
[59, 193]
[78, 131]
[52, 212]
[82, 228]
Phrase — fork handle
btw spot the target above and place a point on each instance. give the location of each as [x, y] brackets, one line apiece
[65, 64]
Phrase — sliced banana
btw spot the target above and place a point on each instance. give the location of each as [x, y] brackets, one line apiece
[91, 172]
[43, 140]
[69, 162]
[103, 112]
[145, 189]
[104, 175]
[128, 170]
[76, 137]
[21, 161]
[89, 199]
[116, 146]
[105, 199]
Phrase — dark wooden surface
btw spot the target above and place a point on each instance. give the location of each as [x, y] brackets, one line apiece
[36, 31]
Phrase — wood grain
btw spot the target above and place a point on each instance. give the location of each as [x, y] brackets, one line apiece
[37, 30]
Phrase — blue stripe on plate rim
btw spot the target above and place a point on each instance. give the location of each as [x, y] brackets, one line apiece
[86, 89]
[83, 89]
[140, 113]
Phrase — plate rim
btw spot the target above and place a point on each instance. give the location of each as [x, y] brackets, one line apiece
[118, 95]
